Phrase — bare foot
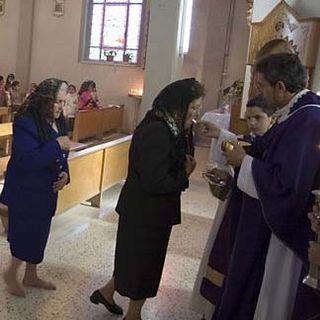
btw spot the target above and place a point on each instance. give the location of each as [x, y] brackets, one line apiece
[13, 286]
[38, 283]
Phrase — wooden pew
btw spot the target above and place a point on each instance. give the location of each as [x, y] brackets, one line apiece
[94, 123]
[4, 114]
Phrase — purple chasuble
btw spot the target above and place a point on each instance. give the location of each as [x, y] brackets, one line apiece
[285, 169]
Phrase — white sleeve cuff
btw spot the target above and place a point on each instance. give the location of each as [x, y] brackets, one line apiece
[216, 154]
[245, 179]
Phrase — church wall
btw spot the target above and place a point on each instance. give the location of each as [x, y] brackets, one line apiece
[214, 55]
[163, 59]
[305, 8]
[9, 25]
[56, 44]
[55, 52]
[238, 45]
[194, 59]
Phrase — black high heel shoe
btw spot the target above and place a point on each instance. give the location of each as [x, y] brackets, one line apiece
[97, 298]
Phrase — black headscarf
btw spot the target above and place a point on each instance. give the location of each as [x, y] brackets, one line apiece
[39, 105]
[173, 101]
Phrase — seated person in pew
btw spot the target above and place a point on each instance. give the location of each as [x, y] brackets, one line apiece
[16, 98]
[4, 99]
[31, 89]
[36, 171]
[88, 98]
[71, 106]
[259, 119]
[9, 81]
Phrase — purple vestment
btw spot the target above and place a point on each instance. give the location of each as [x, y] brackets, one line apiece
[285, 169]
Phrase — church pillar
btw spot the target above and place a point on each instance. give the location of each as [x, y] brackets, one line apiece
[24, 48]
[163, 59]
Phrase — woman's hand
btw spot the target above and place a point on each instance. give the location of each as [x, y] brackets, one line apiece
[236, 155]
[209, 129]
[190, 164]
[64, 142]
[61, 182]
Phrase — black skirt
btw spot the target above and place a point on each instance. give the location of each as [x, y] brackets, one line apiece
[139, 259]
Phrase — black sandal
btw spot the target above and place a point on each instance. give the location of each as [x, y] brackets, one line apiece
[97, 298]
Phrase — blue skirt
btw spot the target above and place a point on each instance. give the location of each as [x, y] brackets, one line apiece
[29, 224]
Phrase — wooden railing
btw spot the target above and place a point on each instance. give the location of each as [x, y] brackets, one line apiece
[5, 144]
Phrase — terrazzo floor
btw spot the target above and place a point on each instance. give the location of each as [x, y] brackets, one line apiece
[79, 259]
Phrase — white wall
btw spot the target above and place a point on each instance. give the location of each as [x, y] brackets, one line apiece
[239, 42]
[56, 41]
[163, 62]
[305, 8]
[9, 25]
[55, 53]
[194, 59]
[24, 42]
[215, 78]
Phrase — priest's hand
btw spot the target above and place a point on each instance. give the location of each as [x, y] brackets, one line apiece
[209, 129]
[236, 155]
[314, 253]
[61, 182]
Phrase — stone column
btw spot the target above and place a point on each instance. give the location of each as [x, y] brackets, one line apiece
[163, 60]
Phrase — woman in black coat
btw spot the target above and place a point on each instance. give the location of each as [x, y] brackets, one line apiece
[160, 163]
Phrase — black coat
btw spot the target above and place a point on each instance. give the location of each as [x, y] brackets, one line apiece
[156, 175]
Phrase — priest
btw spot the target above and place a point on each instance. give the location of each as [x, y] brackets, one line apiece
[269, 257]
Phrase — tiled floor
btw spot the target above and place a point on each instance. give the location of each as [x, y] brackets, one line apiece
[79, 258]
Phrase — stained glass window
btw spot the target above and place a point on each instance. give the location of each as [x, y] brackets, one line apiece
[114, 30]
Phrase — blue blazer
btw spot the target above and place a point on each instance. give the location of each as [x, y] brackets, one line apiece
[33, 168]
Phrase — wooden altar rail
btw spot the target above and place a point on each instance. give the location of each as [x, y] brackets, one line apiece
[5, 130]
[94, 123]
[92, 172]
[5, 144]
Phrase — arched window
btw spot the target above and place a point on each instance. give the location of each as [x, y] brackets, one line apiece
[114, 31]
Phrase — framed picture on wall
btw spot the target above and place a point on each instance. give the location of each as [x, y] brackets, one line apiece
[58, 7]
[2, 7]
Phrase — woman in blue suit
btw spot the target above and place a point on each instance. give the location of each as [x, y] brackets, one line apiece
[37, 170]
